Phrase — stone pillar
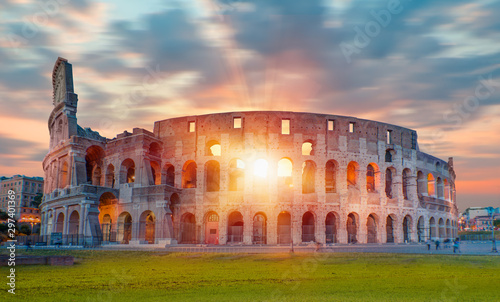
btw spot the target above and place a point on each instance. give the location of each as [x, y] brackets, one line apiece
[247, 227]
[66, 221]
[320, 227]
[81, 224]
[272, 228]
[362, 230]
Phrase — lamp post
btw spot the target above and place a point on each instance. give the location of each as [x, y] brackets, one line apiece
[491, 211]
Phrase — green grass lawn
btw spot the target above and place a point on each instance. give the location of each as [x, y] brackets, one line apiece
[156, 276]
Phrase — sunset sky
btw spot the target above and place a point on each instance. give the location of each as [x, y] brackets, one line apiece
[431, 66]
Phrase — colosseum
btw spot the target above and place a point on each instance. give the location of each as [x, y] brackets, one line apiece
[251, 178]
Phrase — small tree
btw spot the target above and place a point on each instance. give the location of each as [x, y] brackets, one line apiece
[25, 229]
[496, 223]
[37, 200]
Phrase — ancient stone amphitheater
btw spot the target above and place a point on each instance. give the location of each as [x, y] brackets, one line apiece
[261, 177]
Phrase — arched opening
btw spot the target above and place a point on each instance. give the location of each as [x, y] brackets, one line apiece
[442, 230]
[440, 188]
[431, 189]
[432, 228]
[169, 171]
[106, 226]
[352, 174]
[110, 176]
[64, 175]
[388, 155]
[446, 190]
[175, 203]
[331, 176]
[96, 176]
[236, 175]
[212, 177]
[235, 228]
[308, 177]
[388, 183]
[307, 148]
[127, 171]
[448, 229]
[421, 183]
[421, 229]
[371, 181]
[124, 228]
[331, 228]
[285, 168]
[259, 229]
[147, 227]
[351, 228]
[107, 199]
[212, 228]
[93, 159]
[189, 175]
[74, 223]
[155, 173]
[154, 149]
[213, 148]
[284, 228]
[60, 223]
[371, 229]
[406, 182]
[407, 228]
[389, 228]
[188, 228]
[308, 227]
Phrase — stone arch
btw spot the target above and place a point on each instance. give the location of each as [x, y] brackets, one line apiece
[448, 229]
[235, 227]
[212, 176]
[331, 223]
[371, 228]
[431, 186]
[155, 173]
[352, 174]
[60, 223]
[446, 185]
[169, 173]
[432, 228]
[96, 176]
[189, 175]
[285, 172]
[284, 228]
[124, 228]
[236, 175]
[389, 227]
[442, 230]
[259, 228]
[213, 148]
[127, 171]
[94, 156]
[352, 227]
[307, 148]
[421, 229]
[188, 228]
[109, 180]
[421, 183]
[308, 177]
[74, 223]
[407, 223]
[64, 175]
[406, 183]
[372, 175]
[390, 175]
[154, 149]
[439, 188]
[147, 222]
[212, 228]
[106, 227]
[308, 227]
[331, 168]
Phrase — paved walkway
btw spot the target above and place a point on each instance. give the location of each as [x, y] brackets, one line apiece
[466, 248]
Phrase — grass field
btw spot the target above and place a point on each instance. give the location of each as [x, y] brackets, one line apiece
[156, 276]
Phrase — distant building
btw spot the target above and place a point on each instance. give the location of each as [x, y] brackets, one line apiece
[477, 218]
[26, 189]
